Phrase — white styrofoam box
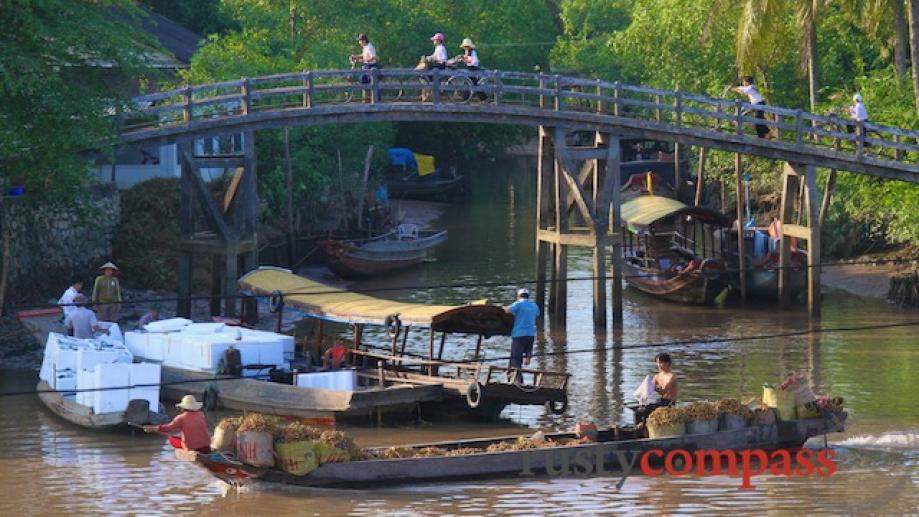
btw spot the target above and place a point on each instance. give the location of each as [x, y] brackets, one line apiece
[89, 357]
[248, 352]
[342, 380]
[172, 352]
[167, 325]
[156, 346]
[114, 332]
[287, 343]
[143, 376]
[109, 376]
[85, 381]
[65, 380]
[136, 342]
[204, 328]
[191, 352]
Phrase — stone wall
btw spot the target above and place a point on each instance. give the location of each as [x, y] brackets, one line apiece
[50, 244]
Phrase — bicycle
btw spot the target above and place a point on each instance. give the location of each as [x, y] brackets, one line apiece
[459, 88]
[383, 93]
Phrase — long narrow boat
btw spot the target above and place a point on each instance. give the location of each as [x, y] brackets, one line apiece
[368, 399]
[388, 252]
[670, 250]
[599, 458]
[469, 386]
[64, 406]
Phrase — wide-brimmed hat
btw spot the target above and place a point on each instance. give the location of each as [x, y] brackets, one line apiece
[438, 37]
[189, 403]
[108, 265]
[467, 43]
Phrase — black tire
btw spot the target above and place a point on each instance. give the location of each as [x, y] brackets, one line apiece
[393, 325]
[475, 392]
[275, 302]
[557, 407]
[463, 87]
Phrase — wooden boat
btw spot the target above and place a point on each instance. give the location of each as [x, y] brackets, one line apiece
[559, 460]
[64, 406]
[762, 265]
[670, 251]
[398, 249]
[472, 387]
[414, 175]
[371, 398]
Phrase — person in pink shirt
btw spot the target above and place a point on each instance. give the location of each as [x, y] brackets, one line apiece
[190, 423]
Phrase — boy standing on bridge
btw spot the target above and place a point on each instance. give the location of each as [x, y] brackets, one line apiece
[756, 99]
[368, 60]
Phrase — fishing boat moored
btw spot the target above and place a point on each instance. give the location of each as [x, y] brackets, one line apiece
[401, 248]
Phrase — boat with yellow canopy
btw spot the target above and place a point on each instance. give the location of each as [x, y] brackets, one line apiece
[471, 384]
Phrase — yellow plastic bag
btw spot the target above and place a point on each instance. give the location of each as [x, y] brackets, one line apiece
[782, 401]
[325, 453]
[297, 458]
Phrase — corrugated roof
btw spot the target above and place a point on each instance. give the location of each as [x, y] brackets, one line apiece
[323, 301]
[644, 211]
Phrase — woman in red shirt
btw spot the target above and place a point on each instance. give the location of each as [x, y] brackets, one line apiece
[192, 425]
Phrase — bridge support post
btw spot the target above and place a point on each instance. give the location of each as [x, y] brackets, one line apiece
[543, 211]
[741, 248]
[796, 176]
[580, 195]
[231, 225]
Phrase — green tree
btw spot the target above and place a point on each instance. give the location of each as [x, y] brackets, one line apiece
[64, 67]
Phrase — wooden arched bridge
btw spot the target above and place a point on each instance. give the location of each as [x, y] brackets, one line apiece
[572, 179]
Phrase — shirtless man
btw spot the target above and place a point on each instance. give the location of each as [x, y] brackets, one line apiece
[665, 381]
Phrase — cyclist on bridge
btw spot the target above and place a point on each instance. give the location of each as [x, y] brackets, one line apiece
[470, 58]
[368, 60]
[439, 58]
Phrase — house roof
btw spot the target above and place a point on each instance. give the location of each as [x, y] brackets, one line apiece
[179, 41]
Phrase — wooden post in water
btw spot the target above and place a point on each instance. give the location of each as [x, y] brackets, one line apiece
[812, 202]
[599, 229]
[543, 198]
[741, 259]
[786, 212]
[560, 304]
[700, 177]
[614, 175]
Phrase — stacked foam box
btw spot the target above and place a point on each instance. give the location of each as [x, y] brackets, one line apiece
[114, 332]
[65, 380]
[89, 356]
[168, 325]
[145, 374]
[111, 376]
[340, 380]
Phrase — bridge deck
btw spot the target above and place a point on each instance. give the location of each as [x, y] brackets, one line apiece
[332, 97]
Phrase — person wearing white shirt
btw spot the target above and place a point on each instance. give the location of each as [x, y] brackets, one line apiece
[439, 57]
[755, 98]
[368, 60]
[471, 59]
[66, 301]
[857, 111]
[83, 321]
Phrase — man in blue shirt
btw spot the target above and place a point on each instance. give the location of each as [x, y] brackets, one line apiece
[524, 332]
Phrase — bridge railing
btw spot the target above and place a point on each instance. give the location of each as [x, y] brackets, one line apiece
[655, 107]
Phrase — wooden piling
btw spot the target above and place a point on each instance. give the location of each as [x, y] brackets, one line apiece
[741, 258]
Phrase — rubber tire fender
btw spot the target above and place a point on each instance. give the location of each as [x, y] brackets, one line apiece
[475, 392]
[275, 301]
[557, 407]
[393, 325]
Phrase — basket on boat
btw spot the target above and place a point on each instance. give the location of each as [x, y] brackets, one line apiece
[665, 422]
[782, 401]
[732, 422]
[665, 431]
[702, 426]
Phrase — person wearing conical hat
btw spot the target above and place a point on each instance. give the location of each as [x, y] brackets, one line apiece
[107, 293]
[470, 58]
[192, 425]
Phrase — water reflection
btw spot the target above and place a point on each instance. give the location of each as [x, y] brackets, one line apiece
[49, 467]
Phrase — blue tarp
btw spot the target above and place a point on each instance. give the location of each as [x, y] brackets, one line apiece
[402, 157]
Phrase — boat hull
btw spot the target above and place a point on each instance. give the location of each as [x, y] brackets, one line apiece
[439, 189]
[764, 283]
[369, 257]
[692, 288]
[83, 416]
[602, 458]
[243, 394]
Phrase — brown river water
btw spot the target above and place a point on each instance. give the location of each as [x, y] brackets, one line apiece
[48, 467]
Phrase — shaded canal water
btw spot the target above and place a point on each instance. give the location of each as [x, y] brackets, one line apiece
[47, 466]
